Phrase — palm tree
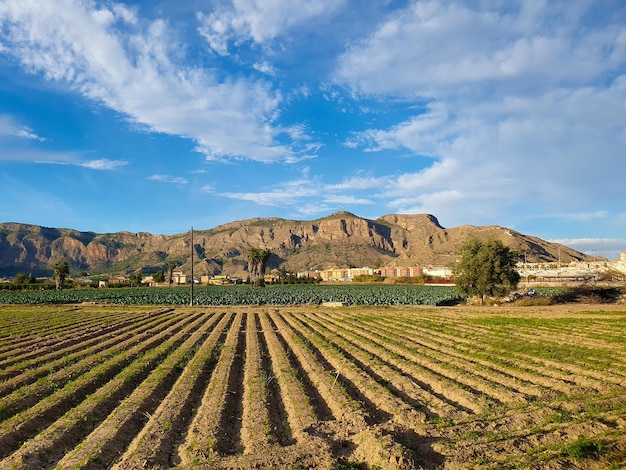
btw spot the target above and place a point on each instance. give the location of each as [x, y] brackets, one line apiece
[257, 262]
[61, 270]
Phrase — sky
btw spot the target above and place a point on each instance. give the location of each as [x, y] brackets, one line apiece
[158, 116]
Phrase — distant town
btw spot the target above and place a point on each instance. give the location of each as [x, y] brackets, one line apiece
[548, 272]
[530, 273]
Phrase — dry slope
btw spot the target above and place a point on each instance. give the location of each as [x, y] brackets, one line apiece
[339, 240]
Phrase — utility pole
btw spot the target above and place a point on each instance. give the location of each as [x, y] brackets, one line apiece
[191, 293]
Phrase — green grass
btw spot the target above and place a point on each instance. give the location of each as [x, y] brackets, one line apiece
[583, 448]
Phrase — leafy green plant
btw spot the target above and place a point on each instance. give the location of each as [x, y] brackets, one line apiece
[582, 448]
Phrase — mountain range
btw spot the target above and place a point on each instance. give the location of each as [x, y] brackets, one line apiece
[339, 240]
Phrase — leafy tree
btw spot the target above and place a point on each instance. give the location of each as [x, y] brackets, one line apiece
[257, 262]
[485, 268]
[135, 278]
[159, 276]
[61, 270]
[23, 278]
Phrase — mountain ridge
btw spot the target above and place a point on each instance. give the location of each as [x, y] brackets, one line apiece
[341, 239]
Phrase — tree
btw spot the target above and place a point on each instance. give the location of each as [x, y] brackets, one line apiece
[257, 262]
[135, 278]
[61, 270]
[485, 269]
[159, 276]
[23, 278]
[171, 265]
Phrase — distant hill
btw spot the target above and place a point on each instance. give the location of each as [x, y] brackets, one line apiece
[340, 240]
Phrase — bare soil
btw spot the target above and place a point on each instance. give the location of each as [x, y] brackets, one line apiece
[536, 387]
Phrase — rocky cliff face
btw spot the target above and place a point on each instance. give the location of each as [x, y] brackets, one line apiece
[339, 240]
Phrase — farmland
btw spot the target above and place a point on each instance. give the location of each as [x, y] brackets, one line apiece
[280, 386]
[246, 295]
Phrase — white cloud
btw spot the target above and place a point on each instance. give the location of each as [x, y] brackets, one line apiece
[550, 152]
[74, 160]
[265, 67]
[346, 199]
[103, 164]
[133, 67]
[58, 158]
[259, 21]
[432, 48]
[10, 128]
[359, 183]
[168, 179]
[525, 105]
[309, 195]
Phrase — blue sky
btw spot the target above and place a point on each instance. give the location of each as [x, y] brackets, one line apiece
[157, 116]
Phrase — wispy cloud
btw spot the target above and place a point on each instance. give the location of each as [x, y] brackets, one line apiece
[258, 21]
[432, 48]
[168, 179]
[10, 128]
[103, 164]
[135, 67]
[344, 199]
[297, 194]
[60, 158]
[516, 111]
[264, 67]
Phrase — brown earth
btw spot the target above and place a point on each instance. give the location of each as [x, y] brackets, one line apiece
[317, 387]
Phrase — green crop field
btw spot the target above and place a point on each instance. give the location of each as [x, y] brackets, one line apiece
[245, 295]
[308, 386]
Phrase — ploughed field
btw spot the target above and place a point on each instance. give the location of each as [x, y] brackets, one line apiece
[90, 386]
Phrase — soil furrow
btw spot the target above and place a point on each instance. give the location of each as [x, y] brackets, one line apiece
[61, 346]
[367, 363]
[296, 403]
[312, 396]
[156, 443]
[376, 400]
[228, 435]
[24, 335]
[16, 350]
[203, 430]
[32, 421]
[322, 376]
[499, 387]
[33, 392]
[473, 347]
[71, 362]
[433, 389]
[563, 379]
[155, 372]
[432, 375]
[390, 373]
[256, 426]
[313, 387]
[512, 376]
[277, 414]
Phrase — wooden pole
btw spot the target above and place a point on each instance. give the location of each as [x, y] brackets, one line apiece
[191, 293]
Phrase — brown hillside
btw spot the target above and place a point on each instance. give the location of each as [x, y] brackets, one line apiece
[339, 240]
